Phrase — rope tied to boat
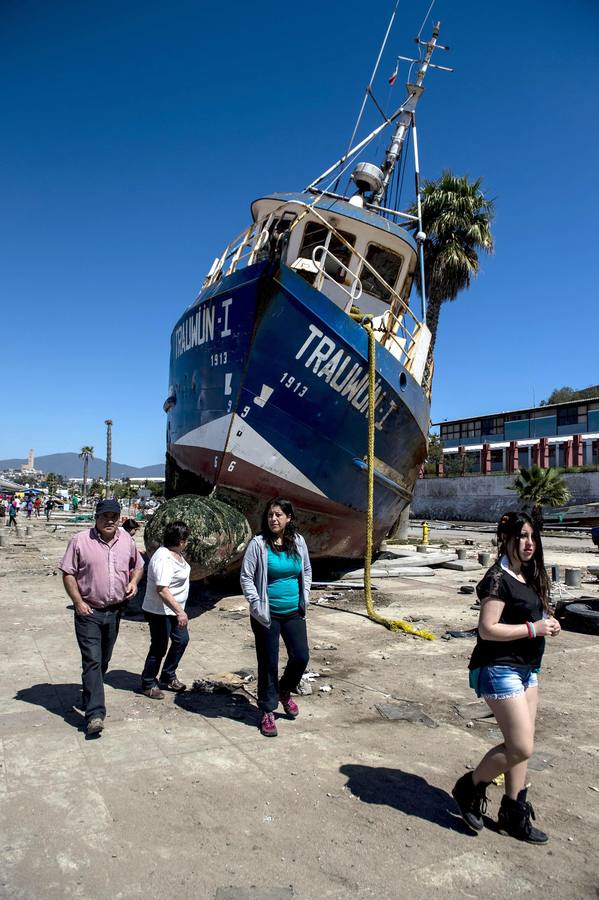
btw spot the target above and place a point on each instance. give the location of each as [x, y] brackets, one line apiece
[391, 624]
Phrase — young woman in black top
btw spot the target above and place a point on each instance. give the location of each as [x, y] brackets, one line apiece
[513, 623]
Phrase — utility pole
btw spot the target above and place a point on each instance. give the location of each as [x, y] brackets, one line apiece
[108, 423]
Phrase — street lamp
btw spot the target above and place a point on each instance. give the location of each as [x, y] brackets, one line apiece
[108, 423]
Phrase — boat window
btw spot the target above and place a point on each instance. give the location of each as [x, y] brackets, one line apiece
[388, 266]
[315, 235]
[281, 224]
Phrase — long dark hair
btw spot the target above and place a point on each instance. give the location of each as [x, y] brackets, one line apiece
[509, 529]
[290, 533]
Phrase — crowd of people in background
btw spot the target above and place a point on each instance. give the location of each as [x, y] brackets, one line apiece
[32, 503]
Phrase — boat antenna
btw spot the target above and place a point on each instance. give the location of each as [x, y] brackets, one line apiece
[368, 90]
[403, 115]
[405, 120]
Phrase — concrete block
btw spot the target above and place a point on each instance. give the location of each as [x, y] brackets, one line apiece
[389, 572]
[411, 572]
[431, 558]
[462, 565]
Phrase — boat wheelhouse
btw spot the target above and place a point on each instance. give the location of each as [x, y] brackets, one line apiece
[353, 256]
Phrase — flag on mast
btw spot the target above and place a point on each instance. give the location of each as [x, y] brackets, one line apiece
[393, 77]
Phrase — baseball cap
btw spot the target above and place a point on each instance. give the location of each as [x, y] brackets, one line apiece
[107, 506]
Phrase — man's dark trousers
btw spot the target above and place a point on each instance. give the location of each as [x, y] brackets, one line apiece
[96, 636]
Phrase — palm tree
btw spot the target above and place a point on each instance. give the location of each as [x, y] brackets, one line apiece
[86, 454]
[538, 487]
[52, 482]
[456, 219]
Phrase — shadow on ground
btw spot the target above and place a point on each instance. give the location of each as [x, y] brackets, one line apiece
[122, 680]
[219, 706]
[58, 699]
[405, 792]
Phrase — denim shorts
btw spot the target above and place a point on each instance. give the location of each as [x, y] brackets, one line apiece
[502, 682]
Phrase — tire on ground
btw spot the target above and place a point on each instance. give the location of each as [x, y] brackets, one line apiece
[582, 617]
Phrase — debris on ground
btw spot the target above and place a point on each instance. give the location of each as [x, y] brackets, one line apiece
[405, 712]
[475, 710]
[223, 683]
[458, 633]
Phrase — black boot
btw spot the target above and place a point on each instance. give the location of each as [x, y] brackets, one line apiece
[471, 800]
[514, 819]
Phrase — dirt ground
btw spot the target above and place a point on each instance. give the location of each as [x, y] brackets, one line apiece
[184, 798]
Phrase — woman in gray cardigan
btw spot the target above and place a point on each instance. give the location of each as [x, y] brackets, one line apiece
[275, 579]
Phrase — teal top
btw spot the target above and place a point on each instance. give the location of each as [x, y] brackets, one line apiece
[283, 582]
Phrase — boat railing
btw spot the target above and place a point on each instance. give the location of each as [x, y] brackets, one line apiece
[399, 329]
[394, 332]
[353, 292]
[240, 252]
[403, 332]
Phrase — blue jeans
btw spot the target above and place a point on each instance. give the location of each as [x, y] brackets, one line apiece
[292, 628]
[96, 635]
[162, 629]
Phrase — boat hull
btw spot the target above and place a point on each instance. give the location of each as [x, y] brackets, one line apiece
[270, 380]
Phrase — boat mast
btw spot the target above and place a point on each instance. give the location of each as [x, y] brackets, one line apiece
[406, 118]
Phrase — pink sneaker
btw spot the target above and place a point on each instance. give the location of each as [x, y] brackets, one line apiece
[267, 725]
[289, 705]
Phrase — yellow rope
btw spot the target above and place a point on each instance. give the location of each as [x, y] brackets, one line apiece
[391, 624]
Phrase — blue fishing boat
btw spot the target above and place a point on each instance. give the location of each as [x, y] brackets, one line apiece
[269, 368]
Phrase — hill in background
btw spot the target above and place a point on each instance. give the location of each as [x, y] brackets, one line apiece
[70, 466]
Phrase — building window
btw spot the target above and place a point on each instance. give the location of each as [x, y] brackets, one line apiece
[471, 429]
[567, 415]
[492, 425]
[450, 432]
[387, 264]
[572, 415]
[517, 416]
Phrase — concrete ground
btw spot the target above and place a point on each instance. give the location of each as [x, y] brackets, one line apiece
[184, 798]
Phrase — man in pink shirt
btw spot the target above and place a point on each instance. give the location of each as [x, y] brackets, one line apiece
[100, 572]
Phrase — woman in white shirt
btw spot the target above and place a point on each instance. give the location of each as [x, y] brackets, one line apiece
[164, 609]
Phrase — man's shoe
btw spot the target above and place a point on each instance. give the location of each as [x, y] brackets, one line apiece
[268, 726]
[174, 685]
[514, 819]
[471, 800]
[289, 704]
[153, 693]
[95, 726]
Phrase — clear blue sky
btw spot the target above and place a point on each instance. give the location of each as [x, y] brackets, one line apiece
[136, 134]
